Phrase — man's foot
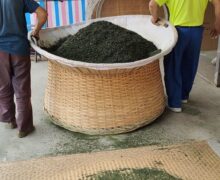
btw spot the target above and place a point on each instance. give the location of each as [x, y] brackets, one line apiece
[185, 101]
[11, 125]
[22, 134]
[176, 110]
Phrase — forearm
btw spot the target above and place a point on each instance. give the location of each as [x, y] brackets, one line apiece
[41, 19]
[153, 7]
[216, 4]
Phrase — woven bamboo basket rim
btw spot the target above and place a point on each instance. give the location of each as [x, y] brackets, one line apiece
[106, 66]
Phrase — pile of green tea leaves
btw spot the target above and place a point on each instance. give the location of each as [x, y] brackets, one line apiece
[133, 174]
[104, 42]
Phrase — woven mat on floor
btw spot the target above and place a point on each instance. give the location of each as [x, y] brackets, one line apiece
[195, 160]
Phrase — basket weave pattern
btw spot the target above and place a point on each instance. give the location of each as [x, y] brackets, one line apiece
[104, 102]
[91, 4]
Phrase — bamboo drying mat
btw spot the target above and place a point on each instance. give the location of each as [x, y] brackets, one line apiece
[195, 161]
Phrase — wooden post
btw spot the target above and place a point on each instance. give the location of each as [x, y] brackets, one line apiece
[217, 72]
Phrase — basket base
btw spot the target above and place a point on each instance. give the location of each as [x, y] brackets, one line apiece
[103, 131]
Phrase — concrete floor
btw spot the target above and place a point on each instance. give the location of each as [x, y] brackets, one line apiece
[200, 120]
[206, 68]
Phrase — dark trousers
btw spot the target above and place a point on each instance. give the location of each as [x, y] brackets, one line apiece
[15, 80]
[181, 65]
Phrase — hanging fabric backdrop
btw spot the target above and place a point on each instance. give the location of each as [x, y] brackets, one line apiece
[60, 13]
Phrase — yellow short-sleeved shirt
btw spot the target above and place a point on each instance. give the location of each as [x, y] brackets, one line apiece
[185, 12]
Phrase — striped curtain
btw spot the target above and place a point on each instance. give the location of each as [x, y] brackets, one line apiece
[60, 13]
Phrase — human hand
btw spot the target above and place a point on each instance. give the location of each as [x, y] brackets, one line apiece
[214, 33]
[155, 21]
[35, 34]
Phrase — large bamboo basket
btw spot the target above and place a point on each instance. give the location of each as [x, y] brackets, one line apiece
[106, 98]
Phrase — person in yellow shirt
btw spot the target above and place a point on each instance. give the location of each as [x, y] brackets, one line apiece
[181, 64]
